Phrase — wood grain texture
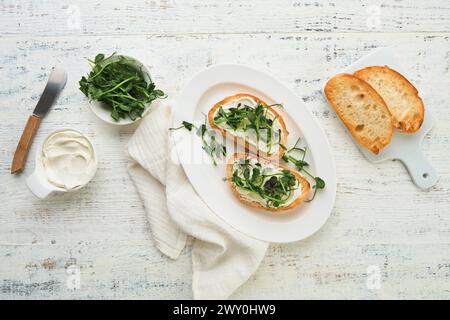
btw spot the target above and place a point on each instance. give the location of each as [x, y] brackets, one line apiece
[164, 17]
[24, 144]
[380, 218]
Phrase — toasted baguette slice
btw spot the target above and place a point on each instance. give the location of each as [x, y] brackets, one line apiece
[303, 183]
[244, 142]
[401, 97]
[361, 109]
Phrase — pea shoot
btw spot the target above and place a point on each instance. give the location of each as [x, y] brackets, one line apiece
[117, 83]
[300, 164]
[274, 187]
[210, 145]
[256, 119]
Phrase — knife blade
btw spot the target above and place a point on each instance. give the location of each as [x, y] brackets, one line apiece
[56, 82]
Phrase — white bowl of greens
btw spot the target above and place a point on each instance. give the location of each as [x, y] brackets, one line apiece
[120, 89]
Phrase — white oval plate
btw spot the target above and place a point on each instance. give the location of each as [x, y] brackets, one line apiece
[200, 94]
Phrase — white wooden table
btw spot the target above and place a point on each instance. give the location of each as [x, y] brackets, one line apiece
[381, 222]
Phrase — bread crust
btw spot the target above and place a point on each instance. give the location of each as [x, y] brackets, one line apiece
[248, 146]
[403, 125]
[306, 188]
[374, 146]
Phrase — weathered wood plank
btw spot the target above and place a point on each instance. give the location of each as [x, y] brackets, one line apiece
[380, 217]
[312, 271]
[145, 17]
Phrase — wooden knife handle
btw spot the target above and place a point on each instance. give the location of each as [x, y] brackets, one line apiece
[20, 156]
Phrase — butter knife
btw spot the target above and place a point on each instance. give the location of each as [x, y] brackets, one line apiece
[55, 83]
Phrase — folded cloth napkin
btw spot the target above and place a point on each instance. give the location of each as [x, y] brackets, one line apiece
[222, 257]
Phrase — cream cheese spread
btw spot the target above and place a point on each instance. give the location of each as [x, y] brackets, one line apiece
[68, 159]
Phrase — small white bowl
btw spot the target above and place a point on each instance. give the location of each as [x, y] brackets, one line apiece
[103, 111]
[38, 183]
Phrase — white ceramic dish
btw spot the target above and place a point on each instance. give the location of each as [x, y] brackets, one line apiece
[200, 94]
[403, 146]
[104, 112]
[37, 182]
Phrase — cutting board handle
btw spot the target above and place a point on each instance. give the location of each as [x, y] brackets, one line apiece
[421, 170]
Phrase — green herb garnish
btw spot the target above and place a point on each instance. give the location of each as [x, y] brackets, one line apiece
[255, 119]
[184, 124]
[212, 147]
[300, 164]
[274, 187]
[117, 83]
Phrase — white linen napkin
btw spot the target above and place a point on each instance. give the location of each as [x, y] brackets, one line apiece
[222, 258]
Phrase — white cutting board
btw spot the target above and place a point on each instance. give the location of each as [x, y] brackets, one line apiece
[405, 147]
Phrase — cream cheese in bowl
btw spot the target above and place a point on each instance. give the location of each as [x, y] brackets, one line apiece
[68, 159]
